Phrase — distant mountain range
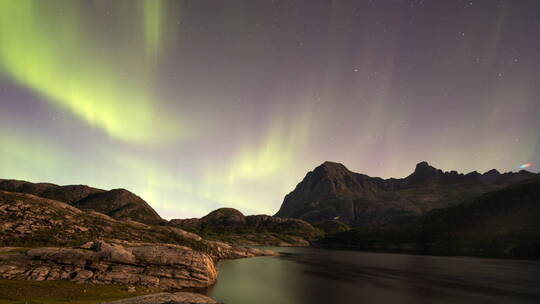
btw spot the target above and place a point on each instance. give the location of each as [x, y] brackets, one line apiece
[332, 192]
[429, 211]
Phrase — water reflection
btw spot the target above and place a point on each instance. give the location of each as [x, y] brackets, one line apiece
[307, 275]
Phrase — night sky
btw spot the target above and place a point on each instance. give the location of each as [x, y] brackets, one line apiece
[196, 105]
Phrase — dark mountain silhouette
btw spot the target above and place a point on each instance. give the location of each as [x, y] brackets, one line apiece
[332, 192]
[117, 203]
[501, 223]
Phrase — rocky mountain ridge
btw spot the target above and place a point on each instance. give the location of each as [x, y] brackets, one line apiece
[331, 192]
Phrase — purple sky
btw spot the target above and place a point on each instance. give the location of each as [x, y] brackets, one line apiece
[196, 105]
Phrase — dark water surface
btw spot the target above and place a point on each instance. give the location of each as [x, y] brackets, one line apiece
[308, 275]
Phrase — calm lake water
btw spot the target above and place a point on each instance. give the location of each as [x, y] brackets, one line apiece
[308, 275]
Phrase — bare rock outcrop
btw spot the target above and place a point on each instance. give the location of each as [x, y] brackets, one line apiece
[169, 267]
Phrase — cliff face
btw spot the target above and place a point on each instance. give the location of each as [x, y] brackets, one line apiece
[116, 203]
[332, 192]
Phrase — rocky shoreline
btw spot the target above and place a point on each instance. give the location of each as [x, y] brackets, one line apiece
[165, 266]
[50, 240]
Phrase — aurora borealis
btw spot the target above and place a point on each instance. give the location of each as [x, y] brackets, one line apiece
[195, 105]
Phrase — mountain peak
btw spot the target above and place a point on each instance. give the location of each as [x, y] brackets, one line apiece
[423, 172]
[331, 164]
[331, 168]
[492, 172]
[425, 169]
[423, 165]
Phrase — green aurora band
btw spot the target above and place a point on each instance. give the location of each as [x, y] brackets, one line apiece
[54, 56]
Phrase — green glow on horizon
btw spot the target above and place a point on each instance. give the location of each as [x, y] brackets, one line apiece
[55, 58]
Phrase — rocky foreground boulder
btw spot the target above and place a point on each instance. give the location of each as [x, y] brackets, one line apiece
[165, 266]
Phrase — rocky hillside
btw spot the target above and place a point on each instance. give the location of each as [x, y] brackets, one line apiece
[120, 204]
[43, 239]
[332, 192]
[332, 227]
[30, 221]
[117, 203]
[231, 225]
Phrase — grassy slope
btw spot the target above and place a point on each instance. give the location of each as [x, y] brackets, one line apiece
[53, 292]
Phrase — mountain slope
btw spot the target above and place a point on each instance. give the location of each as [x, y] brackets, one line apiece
[120, 204]
[503, 222]
[331, 191]
[29, 220]
[117, 203]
